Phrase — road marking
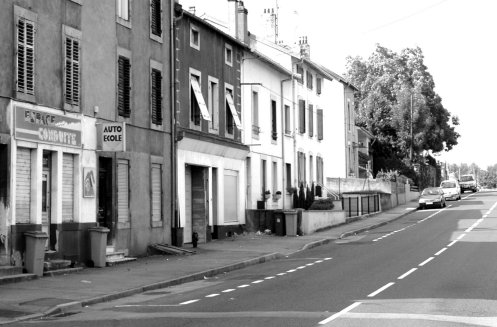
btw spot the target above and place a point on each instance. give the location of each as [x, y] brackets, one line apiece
[318, 261]
[469, 229]
[381, 289]
[326, 259]
[310, 264]
[407, 273]
[281, 274]
[189, 302]
[257, 281]
[461, 236]
[270, 277]
[426, 261]
[441, 251]
[291, 270]
[451, 243]
[301, 267]
[212, 295]
[243, 286]
[338, 314]
[228, 290]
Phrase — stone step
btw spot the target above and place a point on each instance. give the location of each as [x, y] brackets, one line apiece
[115, 255]
[118, 260]
[10, 270]
[56, 264]
[16, 278]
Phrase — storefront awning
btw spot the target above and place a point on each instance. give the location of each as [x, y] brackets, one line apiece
[234, 113]
[200, 99]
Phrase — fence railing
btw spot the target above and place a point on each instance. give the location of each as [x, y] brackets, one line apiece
[361, 205]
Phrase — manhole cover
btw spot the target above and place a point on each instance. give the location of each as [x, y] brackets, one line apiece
[5, 313]
[46, 302]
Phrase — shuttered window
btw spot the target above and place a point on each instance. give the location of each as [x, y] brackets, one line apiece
[156, 185]
[274, 124]
[156, 97]
[301, 167]
[311, 120]
[319, 170]
[155, 17]
[25, 74]
[309, 80]
[23, 186]
[123, 192]
[300, 71]
[67, 187]
[320, 123]
[124, 87]
[72, 72]
[301, 116]
[319, 80]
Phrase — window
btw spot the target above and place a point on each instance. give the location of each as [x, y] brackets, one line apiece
[349, 115]
[311, 120]
[320, 123]
[288, 175]
[123, 193]
[301, 116]
[263, 176]
[213, 104]
[274, 121]
[198, 108]
[72, 71]
[228, 55]
[123, 8]
[124, 87]
[288, 127]
[194, 37]
[25, 50]
[156, 20]
[156, 95]
[275, 177]
[311, 168]
[300, 71]
[255, 115]
[301, 168]
[319, 171]
[67, 187]
[156, 196]
[319, 80]
[231, 113]
[309, 80]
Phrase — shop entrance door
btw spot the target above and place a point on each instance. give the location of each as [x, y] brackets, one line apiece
[46, 201]
[105, 208]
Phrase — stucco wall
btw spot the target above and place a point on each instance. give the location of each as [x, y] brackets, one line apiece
[313, 220]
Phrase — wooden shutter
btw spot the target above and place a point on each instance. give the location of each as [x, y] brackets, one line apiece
[67, 187]
[155, 17]
[156, 184]
[72, 71]
[23, 186]
[274, 124]
[318, 85]
[124, 87]
[301, 116]
[320, 123]
[122, 191]
[311, 120]
[156, 97]
[25, 56]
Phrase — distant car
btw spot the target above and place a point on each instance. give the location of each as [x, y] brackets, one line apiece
[432, 196]
[468, 183]
[451, 189]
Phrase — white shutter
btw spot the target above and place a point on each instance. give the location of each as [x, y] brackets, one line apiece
[122, 191]
[230, 196]
[67, 187]
[23, 185]
[156, 193]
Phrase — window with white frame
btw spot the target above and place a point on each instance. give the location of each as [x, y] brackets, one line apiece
[72, 68]
[25, 72]
[198, 108]
[194, 37]
[123, 12]
[288, 127]
[255, 115]
[228, 54]
[231, 114]
[213, 103]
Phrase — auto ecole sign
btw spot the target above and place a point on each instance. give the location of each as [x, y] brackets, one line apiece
[112, 137]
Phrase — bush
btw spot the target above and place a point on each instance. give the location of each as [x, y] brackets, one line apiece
[322, 204]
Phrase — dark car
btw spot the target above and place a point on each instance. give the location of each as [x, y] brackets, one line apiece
[432, 197]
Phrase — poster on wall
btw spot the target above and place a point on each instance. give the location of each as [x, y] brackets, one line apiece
[89, 182]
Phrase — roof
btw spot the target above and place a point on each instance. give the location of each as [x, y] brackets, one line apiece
[330, 74]
[271, 62]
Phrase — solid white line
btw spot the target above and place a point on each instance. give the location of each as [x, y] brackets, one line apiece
[189, 302]
[407, 273]
[378, 291]
[212, 295]
[336, 315]
[229, 290]
[426, 261]
[461, 236]
[441, 251]
[451, 243]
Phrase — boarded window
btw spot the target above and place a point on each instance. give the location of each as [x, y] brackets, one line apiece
[156, 97]
[155, 17]
[67, 187]
[302, 116]
[320, 123]
[124, 87]
[72, 72]
[123, 192]
[156, 185]
[25, 56]
[23, 186]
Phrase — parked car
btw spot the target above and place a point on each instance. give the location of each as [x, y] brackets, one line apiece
[468, 183]
[451, 189]
[432, 196]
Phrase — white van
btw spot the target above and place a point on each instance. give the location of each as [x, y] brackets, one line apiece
[451, 189]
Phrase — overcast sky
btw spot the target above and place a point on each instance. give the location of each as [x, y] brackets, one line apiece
[458, 39]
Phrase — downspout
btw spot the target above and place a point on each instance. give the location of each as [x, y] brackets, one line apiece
[283, 171]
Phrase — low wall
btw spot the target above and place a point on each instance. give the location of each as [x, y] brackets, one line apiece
[313, 220]
[358, 185]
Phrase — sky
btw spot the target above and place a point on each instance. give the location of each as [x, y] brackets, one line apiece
[458, 39]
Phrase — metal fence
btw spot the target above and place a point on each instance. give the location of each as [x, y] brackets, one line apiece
[360, 205]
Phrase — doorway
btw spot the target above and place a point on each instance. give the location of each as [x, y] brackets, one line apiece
[46, 202]
[105, 212]
[196, 200]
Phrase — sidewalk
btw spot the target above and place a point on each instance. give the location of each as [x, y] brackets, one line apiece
[58, 294]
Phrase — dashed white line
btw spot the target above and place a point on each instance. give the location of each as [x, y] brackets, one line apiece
[407, 273]
[441, 251]
[189, 302]
[426, 261]
[291, 270]
[270, 277]
[318, 261]
[452, 243]
[336, 315]
[228, 290]
[326, 259]
[301, 267]
[281, 274]
[243, 286]
[257, 281]
[212, 295]
[381, 289]
[461, 236]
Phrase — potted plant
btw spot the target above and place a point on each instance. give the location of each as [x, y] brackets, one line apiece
[277, 195]
[267, 194]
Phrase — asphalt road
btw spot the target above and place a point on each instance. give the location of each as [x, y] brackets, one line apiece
[431, 268]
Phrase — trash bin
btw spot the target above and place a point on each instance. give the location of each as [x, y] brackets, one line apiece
[279, 222]
[35, 252]
[291, 222]
[98, 242]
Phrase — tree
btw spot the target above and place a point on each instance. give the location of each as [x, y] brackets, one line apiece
[397, 91]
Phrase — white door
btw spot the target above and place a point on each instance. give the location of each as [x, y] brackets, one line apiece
[187, 230]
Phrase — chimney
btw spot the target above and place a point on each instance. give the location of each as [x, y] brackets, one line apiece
[237, 20]
[305, 49]
[232, 17]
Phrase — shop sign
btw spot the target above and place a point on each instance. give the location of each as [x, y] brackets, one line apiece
[112, 136]
[42, 126]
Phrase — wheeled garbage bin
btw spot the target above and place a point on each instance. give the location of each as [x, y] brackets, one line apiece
[35, 252]
[279, 222]
[291, 222]
[98, 243]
